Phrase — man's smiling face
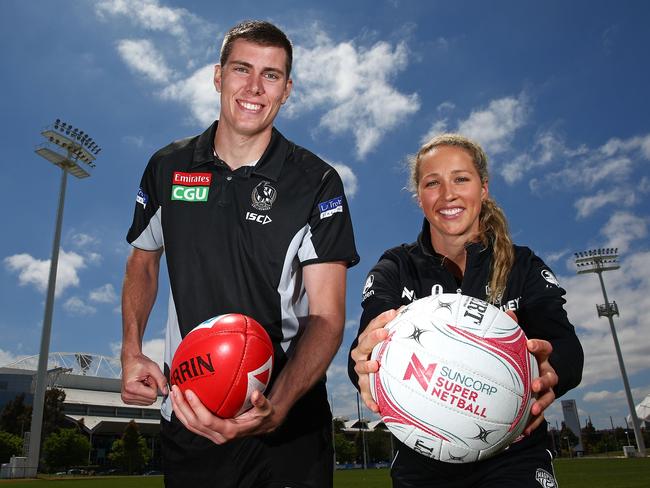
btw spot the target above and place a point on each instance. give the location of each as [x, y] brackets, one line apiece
[253, 86]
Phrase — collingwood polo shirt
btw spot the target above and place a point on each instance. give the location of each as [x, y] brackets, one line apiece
[236, 241]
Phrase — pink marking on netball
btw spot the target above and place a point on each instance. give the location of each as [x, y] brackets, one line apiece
[389, 411]
[512, 349]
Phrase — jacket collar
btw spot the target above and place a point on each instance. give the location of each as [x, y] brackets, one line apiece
[476, 252]
[270, 164]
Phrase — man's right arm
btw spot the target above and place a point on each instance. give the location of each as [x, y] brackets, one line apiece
[141, 377]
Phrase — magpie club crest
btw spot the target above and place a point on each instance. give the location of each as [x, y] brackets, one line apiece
[263, 196]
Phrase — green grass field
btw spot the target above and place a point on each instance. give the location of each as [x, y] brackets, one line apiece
[571, 473]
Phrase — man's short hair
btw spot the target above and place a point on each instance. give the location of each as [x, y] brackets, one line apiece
[260, 32]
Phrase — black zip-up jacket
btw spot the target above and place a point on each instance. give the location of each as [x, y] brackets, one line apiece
[411, 271]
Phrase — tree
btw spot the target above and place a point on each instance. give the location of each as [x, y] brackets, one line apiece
[338, 425]
[590, 437]
[130, 452]
[567, 434]
[607, 442]
[10, 445]
[16, 417]
[346, 451]
[65, 448]
[378, 445]
[53, 416]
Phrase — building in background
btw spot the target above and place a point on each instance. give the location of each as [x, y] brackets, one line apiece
[571, 420]
[92, 398]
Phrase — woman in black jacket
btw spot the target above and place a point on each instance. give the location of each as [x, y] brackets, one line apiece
[465, 247]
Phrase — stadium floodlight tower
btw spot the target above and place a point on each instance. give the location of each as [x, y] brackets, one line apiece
[597, 261]
[74, 151]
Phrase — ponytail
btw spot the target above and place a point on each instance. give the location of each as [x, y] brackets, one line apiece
[493, 230]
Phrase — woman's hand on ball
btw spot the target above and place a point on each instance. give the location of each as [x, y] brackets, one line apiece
[368, 339]
[260, 419]
[542, 385]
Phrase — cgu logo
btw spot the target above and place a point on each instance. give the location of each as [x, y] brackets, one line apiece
[422, 375]
[190, 193]
[262, 219]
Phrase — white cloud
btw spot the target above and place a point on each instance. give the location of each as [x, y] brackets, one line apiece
[352, 85]
[81, 240]
[8, 357]
[137, 141]
[599, 396]
[547, 148]
[194, 89]
[615, 400]
[616, 146]
[494, 127]
[554, 257]
[446, 106]
[337, 371]
[76, 306]
[93, 257]
[32, 271]
[149, 14]
[603, 395]
[587, 170]
[197, 92]
[630, 288]
[342, 393]
[623, 228]
[438, 127]
[154, 349]
[589, 204]
[103, 294]
[609, 38]
[350, 183]
[143, 58]
[352, 324]
[612, 166]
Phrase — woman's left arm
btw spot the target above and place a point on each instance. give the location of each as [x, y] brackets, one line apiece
[553, 340]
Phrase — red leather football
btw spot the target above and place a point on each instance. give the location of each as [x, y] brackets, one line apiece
[223, 360]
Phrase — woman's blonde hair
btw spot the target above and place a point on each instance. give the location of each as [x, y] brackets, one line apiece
[493, 226]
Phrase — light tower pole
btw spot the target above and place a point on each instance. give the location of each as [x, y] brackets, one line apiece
[66, 147]
[597, 261]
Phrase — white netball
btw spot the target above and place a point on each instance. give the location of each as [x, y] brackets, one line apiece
[454, 381]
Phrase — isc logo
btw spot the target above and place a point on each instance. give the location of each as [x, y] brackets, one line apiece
[260, 218]
[190, 193]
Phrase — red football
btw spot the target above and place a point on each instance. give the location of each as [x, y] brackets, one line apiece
[223, 360]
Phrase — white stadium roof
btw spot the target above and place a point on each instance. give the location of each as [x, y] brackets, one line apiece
[642, 411]
[93, 423]
[104, 398]
[79, 363]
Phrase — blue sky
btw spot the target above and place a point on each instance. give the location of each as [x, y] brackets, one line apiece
[555, 91]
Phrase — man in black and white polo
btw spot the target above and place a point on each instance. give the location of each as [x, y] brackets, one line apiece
[249, 223]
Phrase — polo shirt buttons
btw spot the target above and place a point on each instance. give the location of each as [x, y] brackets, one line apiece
[225, 192]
